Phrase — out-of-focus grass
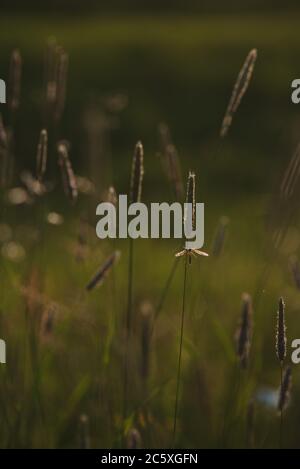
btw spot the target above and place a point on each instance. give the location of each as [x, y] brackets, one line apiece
[178, 69]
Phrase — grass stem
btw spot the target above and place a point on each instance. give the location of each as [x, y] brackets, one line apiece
[128, 328]
[281, 410]
[180, 351]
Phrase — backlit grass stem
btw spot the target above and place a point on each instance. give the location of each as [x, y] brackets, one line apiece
[137, 173]
[281, 354]
[180, 351]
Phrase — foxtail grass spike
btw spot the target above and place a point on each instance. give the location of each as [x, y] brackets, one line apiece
[191, 196]
[67, 173]
[281, 332]
[137, 173]
[104, 270]
[55, 80]
[244, 333]
[61, 83]
[50, 74]
[170, 161]
[3, 135]
[239, 90]
[14, 81]
[189, 219]
[41, 158]
[111, 196]
[174, 170]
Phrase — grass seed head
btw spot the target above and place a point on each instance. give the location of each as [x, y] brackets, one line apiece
[67, 173]
[137, 173]
[14, 81]
[170, 161]
[244, 333]
[191, 196]
[239, 89]
[281, 332]
[41, 157]
[104, 270]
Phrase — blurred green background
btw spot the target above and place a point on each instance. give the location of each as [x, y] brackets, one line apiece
[175, 63]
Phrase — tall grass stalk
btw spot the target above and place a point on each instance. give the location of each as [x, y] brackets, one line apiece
[128, 326]
[111, 197]
[189, 215]
[14, 84]
[170, 161]
[137, 173]
[180, 351]
[281, 410]
[284, 396]
[281, 354]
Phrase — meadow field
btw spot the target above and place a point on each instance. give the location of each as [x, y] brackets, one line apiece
[63, 383]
